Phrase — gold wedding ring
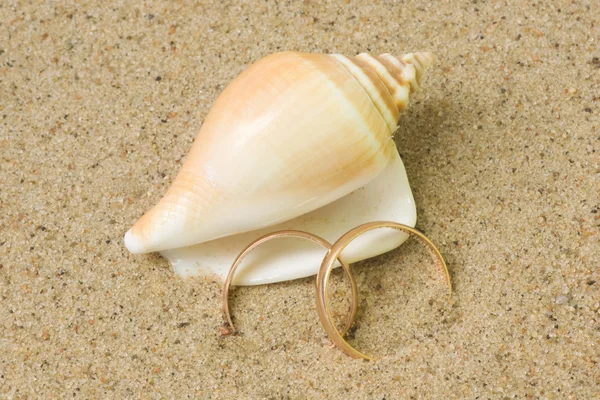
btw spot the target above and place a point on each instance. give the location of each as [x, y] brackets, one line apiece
[328, 264]
[333, 254]
[295, 234]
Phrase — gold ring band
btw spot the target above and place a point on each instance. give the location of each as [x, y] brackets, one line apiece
[296, 234]
[327, 265]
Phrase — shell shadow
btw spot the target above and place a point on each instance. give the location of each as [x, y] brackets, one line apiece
[430, 129]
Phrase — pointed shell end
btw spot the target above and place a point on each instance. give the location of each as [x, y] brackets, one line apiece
[427, 60]
[133, 244]
[424, 60]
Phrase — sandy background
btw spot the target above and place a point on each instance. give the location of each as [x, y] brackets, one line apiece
[100, 103]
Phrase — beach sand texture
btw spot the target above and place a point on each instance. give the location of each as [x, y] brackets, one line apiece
[99, 105]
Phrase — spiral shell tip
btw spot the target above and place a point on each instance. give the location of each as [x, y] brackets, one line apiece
[422, 60]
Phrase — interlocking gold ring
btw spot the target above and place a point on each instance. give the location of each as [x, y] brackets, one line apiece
[327, 265]
[297, 234]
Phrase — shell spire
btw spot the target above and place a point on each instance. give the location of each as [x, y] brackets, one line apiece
[292, 133]
[401, 76]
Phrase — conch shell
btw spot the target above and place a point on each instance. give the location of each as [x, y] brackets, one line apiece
[289, 137]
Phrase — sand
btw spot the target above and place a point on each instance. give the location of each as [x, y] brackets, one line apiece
[99, 104]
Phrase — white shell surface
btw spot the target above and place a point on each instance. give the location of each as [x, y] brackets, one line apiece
[388, 197]
[292, 133]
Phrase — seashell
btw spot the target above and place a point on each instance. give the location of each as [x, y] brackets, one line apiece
[297, 141]
[386, 198]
